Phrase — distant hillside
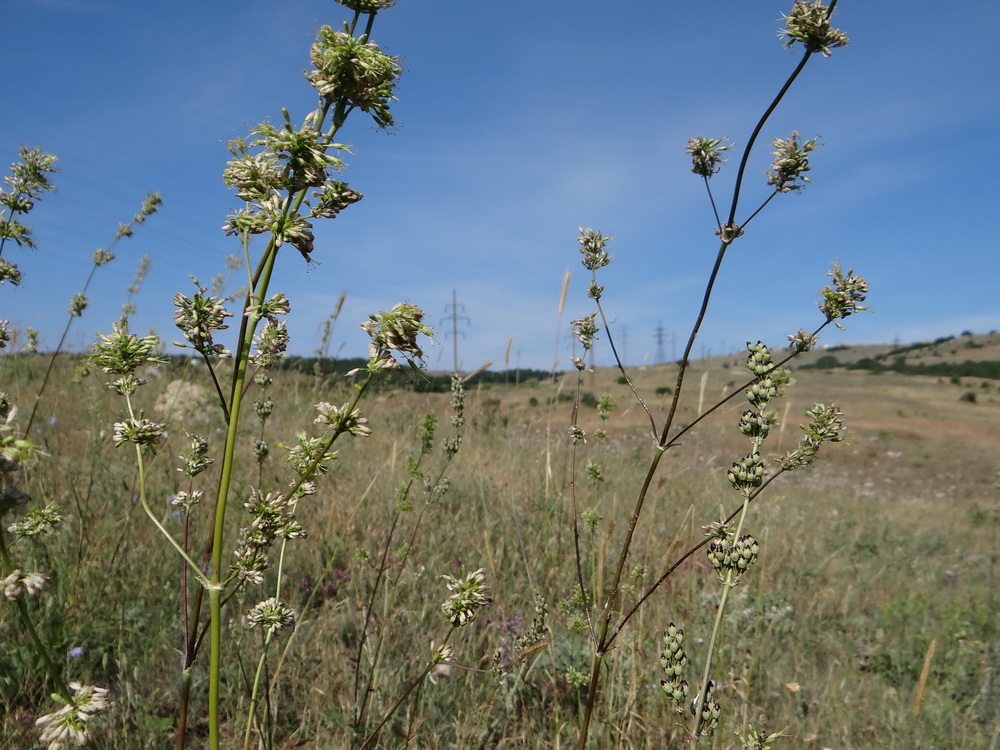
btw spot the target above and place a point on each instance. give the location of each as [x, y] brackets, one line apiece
[965, 355]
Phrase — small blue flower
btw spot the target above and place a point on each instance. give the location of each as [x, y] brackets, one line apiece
[75, 652]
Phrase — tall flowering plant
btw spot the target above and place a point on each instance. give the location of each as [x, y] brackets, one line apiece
[287, 176]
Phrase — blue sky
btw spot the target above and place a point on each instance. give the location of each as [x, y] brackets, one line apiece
[518, 122]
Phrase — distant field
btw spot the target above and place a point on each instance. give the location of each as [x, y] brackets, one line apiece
[887, 545]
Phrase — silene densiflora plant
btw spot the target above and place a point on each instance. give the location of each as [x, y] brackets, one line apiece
[26, 184]
[730, 547]
[287, 176]
[238, 513]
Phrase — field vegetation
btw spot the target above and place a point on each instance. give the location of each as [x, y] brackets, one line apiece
[868, 558]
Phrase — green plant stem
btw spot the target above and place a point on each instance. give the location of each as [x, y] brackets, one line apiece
[576, 512]
[254, 694]
[760, 126]
[727, 586]
[215, 585]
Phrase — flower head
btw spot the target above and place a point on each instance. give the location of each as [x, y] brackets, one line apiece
[706, 154]
[198, 317]
[809, 22]
[271, 615]
[339, 418]
[585, 329]
[20, 583]
[395, 330]
[37, 522]
[353, 70]
[791, 162]
[844, 296]
[367, 6]
[68, 726]
[592, 247]
[469, 594]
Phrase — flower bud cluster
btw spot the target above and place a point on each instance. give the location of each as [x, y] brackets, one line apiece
[273, 516]
[333, 198]
[674, 660]
[37, 521]
[729, 232]
[140, 431]
[260, 450]
[747, 474]
[770, 379]
[457, 401]
[271, 341]
[251, 562]
[755, 426]
[184, 500]
[310, 456]
[263, 407]
[801, 341]
[274, 166]
[122, 353]
[19, 583]
[69, 725]
[367, 6]
[9, 272]
[77, 304]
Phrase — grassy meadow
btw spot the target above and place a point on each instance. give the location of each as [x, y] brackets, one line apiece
[870, 620]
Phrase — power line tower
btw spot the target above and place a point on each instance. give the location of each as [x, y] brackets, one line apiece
[455, 317]
[660, 336]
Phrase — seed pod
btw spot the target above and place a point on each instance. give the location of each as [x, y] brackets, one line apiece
[759, 361]
[746, 550]
[677, 691]
[754, 425]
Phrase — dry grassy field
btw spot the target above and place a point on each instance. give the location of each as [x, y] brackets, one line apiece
[870, 620]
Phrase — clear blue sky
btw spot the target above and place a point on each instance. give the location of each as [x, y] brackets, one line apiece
[518, 122]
